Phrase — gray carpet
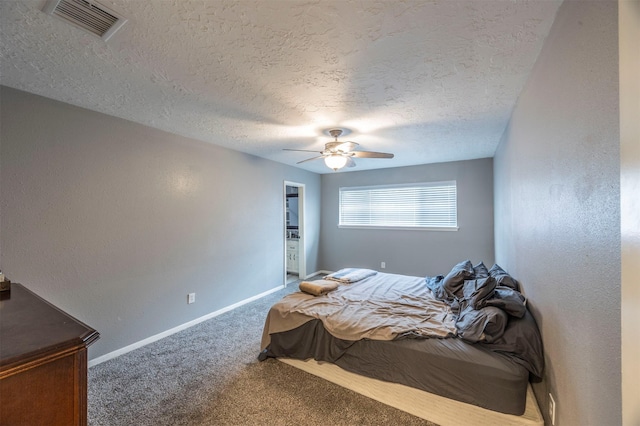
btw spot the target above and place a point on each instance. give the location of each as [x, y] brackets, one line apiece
[209, 375]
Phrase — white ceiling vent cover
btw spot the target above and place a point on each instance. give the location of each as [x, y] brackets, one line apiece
[86, 14]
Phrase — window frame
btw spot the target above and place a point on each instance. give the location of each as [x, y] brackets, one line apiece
[399, 186]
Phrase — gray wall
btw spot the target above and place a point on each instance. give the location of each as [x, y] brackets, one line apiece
[116, 222]
[409, 252]
[557, 213]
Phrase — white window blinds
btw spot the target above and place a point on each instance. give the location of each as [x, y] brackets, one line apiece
[415, 205]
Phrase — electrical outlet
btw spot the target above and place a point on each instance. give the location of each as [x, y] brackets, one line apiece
[383, 265]
[552, 410]
[191, 297]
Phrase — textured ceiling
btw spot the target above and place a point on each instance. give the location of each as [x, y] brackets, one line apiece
[430, 81]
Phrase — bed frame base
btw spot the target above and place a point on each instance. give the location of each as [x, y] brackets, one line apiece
[428, 406]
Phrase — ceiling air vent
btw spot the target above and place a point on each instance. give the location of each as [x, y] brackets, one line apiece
[87, 14]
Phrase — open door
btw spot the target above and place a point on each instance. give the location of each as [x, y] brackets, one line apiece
[294, 253]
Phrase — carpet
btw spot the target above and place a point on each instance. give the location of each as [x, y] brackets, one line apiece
[209, 375]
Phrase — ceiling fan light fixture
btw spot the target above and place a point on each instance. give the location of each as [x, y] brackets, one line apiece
[337, 154]
[335, 161]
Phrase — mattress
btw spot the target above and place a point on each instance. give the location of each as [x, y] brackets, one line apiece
[447, 367]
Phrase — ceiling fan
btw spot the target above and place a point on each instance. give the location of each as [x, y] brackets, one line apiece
[340, 154]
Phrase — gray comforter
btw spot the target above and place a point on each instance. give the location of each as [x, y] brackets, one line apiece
[381, 307]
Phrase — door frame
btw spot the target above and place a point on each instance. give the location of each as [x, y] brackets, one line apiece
[302, 264]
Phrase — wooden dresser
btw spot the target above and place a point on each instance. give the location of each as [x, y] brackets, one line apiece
[43, 362]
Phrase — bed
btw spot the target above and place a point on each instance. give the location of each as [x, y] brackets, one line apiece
[466, 335]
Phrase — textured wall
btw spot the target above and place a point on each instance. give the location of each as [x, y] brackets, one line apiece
[412, 252]
[557, 182]
[116, 222]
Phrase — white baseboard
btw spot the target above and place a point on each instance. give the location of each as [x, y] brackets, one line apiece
[174, 330]
[316, 273]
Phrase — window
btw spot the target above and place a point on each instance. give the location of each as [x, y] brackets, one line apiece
[417, 205]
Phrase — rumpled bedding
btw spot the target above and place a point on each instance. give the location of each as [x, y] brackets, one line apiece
[350, 275]
[382, 307]
[491, 311]
[485, 325]
[477, 308]
[481, 305]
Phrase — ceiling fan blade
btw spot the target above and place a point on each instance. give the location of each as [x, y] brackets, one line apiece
[346, 146]
[301, 150]
[369, 154]
[350, 162]
[309, 159]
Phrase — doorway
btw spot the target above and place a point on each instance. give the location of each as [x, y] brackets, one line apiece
[294, 259]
